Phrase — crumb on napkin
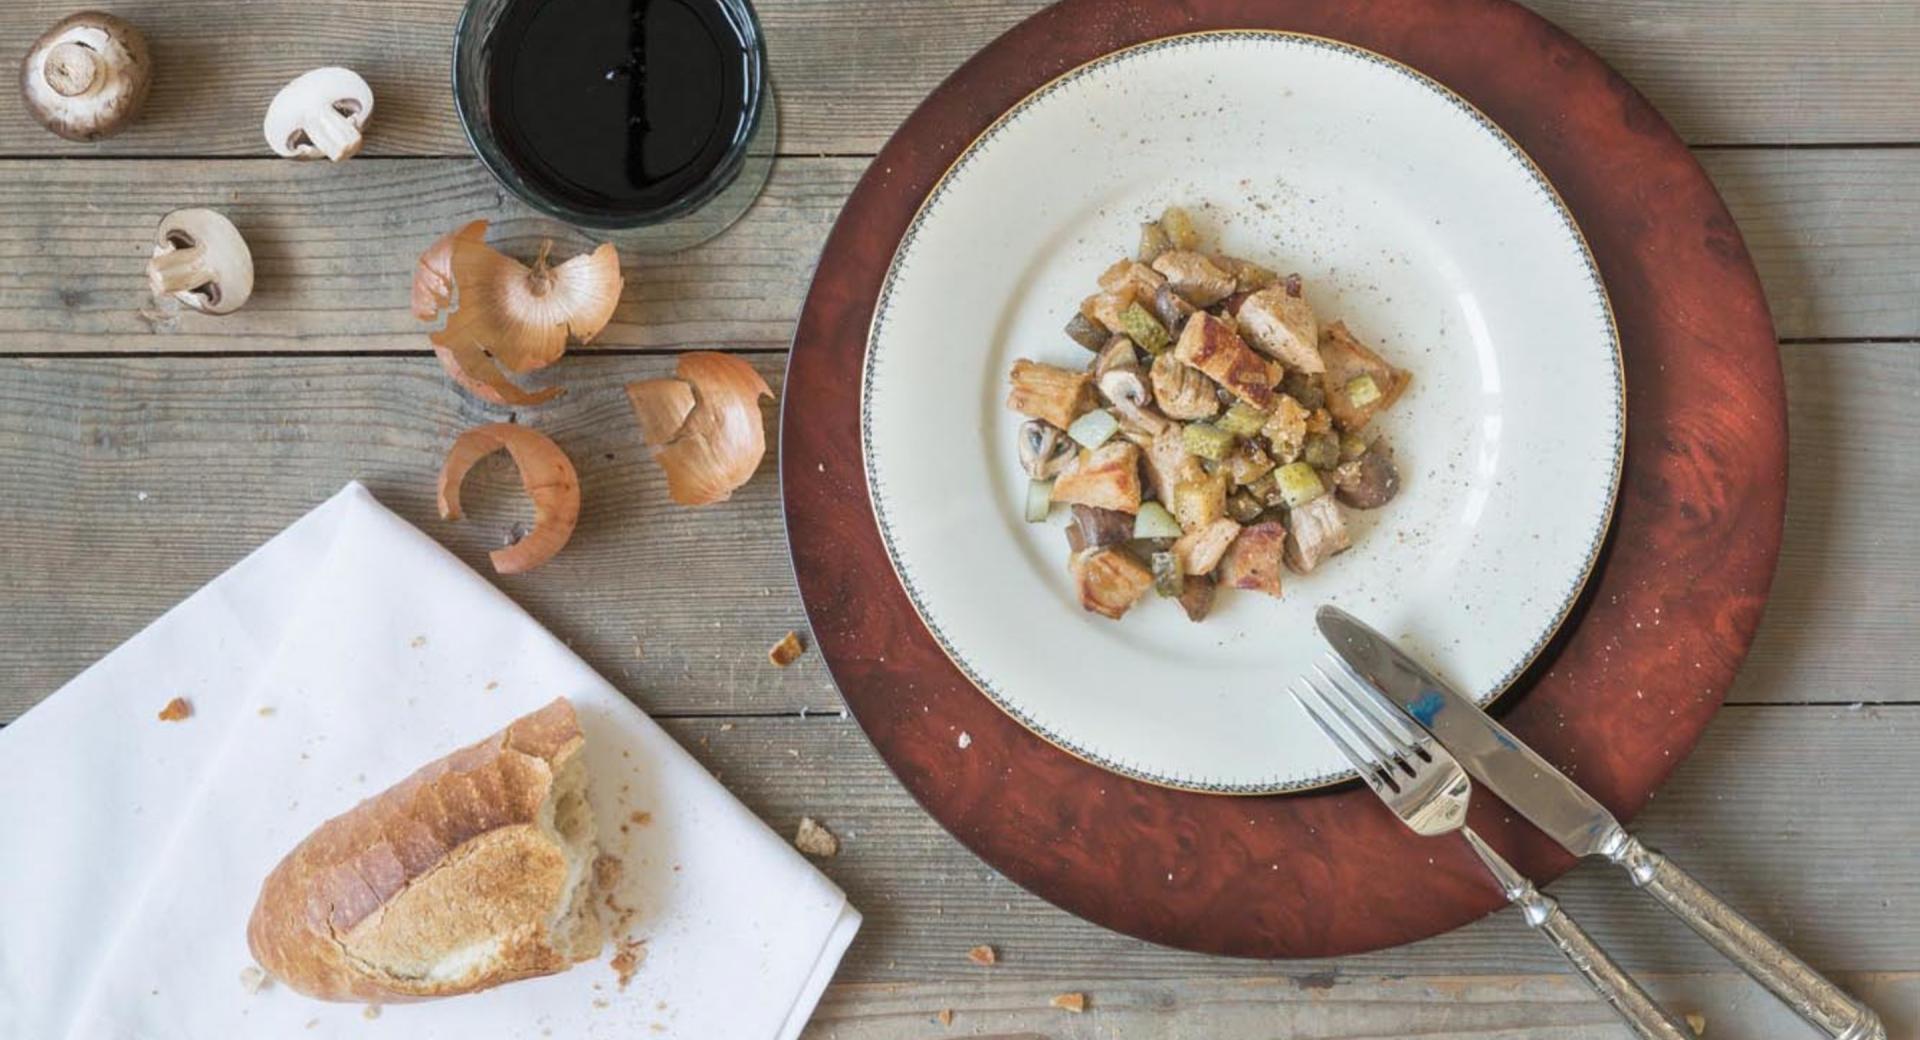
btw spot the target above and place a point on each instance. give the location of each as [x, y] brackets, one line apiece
[176, 710]
[983, 956]
[265, 710]
[815, 840]
[252, 979]
[787, 650]
[628, 956]
[1074, 1002]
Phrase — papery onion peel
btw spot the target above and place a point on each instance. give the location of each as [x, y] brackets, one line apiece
[546, 473]
[703, 425]
[523, 315]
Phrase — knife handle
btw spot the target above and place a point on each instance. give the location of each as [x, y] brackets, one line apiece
[1821, 1003]
[1642, 1014]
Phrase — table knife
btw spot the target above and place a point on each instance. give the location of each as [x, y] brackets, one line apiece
[1584, 827]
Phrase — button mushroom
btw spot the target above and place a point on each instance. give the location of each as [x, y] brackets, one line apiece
[200, 259]
[87, 76]
[1128, 394]
[1045, 451]
[1182, 390]
[320, 113]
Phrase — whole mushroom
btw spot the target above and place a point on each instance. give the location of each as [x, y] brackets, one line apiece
[200, 259]
[320, 114]
[1045, 451]
[86, 77]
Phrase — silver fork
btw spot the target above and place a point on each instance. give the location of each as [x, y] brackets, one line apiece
[1429, 791]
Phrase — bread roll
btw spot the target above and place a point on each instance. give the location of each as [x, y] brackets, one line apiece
[474, 871]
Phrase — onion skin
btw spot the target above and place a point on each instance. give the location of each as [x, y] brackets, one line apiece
[546, 473]
[721, 440]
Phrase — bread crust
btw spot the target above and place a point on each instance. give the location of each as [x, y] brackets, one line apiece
[373, 903]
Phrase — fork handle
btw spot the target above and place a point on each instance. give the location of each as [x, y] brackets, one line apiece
[1823, 1004]
[1646, 1018]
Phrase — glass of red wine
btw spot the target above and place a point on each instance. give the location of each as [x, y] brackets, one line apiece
[650, 117]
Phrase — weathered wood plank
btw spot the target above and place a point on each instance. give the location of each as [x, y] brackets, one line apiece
[1449, 1007]
[1769, 812]
[334, 250]
[848, 73]
[108, 458]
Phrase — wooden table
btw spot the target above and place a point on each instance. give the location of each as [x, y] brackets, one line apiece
[143, 451]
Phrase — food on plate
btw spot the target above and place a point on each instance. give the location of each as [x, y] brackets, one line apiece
[703, 425]
[474, 871]
[545, 472]
[1214, 435]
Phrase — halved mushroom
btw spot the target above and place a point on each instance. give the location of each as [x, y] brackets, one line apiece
[200, 259]
[1127, 392]
[86, 77]
[1183, 392]
[1117, 353]
[545, 472]
[1045, 451]
[319, 114]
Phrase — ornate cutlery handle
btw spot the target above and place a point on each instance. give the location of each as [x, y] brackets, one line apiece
[1818, 1001]
[1647, 1018]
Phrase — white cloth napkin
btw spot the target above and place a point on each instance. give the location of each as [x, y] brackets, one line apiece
[331, 662]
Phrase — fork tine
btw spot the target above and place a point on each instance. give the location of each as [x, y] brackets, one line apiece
[1382, 709]
[1380, 757]
[1363, 722]
[1321, 713]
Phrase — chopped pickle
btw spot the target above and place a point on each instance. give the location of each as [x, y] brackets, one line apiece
[1243, 419]
[1266, 489]
[1352, 446]
[1304, 388]
[1168, 578]
[1144, 329]
[1179, 228]
[1244, 507]
[1322, 450]
[1086, 332]
[1094, 428]
[1362, 390]
[1154, 521]
[1154, 240]
[1039, 500]
[1206, 440]
[1299, 484]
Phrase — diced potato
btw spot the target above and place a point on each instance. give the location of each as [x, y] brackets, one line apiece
[1134, 277]
[1248, 463]
[1182, 391]
[1200, 549]
[1039, 500]
[1282, 326]
[1178, 225]
[1347, 361]
[1106, 478]
[1110, 580]
[1197, 279]
[1210, 345]
[1318, 530]
[1286, 429]
[1197, 503]
[1094, 429]
[1254, 559]
[1049, 393]
[1208, 441]
[1299, 484]
[1144, 329]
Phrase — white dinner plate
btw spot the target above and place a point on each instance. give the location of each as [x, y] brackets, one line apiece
[1411, 217]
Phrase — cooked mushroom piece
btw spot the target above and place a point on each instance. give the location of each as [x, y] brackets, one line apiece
[1127, 392]
[1095, 528]
[1117, 352]
[200, 259]
[1367, 482]
[1171, 309]
[1110, 580]
[1196, 596]
[319, 114]
[86, 77]
[1045, 450]
[1182, 391]
[1318, 530]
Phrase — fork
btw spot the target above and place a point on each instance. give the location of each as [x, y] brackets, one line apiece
[1429, 791]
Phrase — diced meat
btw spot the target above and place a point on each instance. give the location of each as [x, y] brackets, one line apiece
[1196, 278]
[1199, 550]
[1196, 597]
[1210, 345]
[1095, 528]
[1348, 359]
[1282, 326]
[1318, 531]
[1286, 429]
[1248, 277]
[1107, 477]
[1049, 393]
[1169, 464]
[1253, 561]
[1134, 277]
[1110, 580]
[1182, 391]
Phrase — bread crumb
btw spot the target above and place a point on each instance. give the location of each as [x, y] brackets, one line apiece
[945, 1016]
[1074, 1002]
[983, 956]
[176, 710]
[628, 957]
[417, 642]
[815, 840]
[787, 650]
[491, 686]
[370, 1012]
[1697, 1022]
[726, 726]
[600, 1002]
[311, 1022]
[966, 740]
[641, 819]
[252, 978]
[265, 710]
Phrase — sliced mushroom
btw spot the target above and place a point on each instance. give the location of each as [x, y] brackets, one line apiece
[86, 77]
[200, 259]
[320, 114]
[1117, 353]
[1045, 451]
[1182, 391]
[1127, 392]
[1094, 528]
[1367, 482]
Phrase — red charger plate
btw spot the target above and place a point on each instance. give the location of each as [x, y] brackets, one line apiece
[1618, 699]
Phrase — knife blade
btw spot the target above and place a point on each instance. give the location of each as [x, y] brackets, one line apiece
[1495, 757]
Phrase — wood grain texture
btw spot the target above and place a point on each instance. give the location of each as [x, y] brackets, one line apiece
[1791, 769]
[848, 73]
[227, 451]
[1669, 612]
